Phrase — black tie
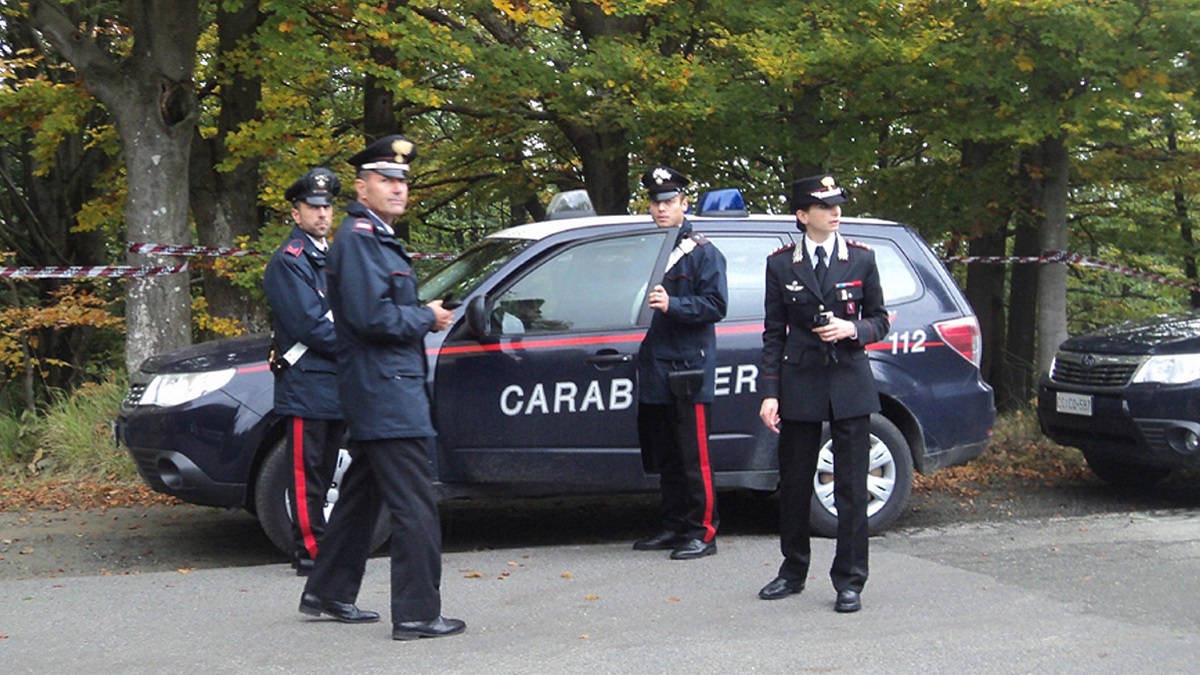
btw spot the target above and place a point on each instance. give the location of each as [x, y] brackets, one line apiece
[821, 267]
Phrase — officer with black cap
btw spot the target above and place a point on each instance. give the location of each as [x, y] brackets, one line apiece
[676, 375]
[381, 328]
[303, 358]
[824, 304]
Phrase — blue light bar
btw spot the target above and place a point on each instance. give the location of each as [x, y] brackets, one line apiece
[727, 202]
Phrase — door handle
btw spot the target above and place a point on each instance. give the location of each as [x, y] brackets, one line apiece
[608, 359]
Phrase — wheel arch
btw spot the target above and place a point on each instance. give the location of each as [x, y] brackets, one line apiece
[274, 433]
[899, 414]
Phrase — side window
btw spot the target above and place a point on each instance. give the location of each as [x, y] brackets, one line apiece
[899, 282]
[745, 271]
[591, 286]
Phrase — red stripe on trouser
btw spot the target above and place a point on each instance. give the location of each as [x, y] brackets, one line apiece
[705, 473]
[301, 487]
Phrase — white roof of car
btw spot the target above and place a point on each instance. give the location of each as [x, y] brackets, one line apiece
[542, 229]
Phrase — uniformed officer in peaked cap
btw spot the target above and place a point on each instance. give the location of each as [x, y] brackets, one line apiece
[388, 156]
[381, 328]
[824, 305]
[663, 183]
[318, 187]
[676, 375]
[303, 358]
[822, 190]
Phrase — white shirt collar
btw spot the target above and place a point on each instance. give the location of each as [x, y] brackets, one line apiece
[811, 246]
[382, 223]
[322, 244]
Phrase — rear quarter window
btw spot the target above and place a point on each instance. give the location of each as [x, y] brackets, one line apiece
[896, 275]
[746, 261]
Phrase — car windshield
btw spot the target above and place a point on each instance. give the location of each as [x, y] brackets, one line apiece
[463, 274]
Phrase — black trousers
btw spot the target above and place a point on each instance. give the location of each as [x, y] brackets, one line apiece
[313, 447]
[674, 439]
[396, 472]
[799, 449]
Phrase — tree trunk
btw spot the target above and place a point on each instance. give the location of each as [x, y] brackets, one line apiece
[379, 114]
[604, 154]
[1186, 231]
[225, 203]
[149, 94]
[1014, 382]
[1052, 282]
[985, 282]
[803, 130]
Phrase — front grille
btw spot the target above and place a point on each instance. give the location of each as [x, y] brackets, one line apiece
[1094, 370]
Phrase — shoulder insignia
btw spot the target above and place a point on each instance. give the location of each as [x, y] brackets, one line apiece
[699, 239]
[364, 224]
[294, 248]
[782, 249]
[857, 244]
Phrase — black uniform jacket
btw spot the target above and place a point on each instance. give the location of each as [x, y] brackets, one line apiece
[294, 283]
[797, 367]
[684, 337]
[381, 326]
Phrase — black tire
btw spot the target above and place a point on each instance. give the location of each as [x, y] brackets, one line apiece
[889, 483]
[273, 493]
[1125, 475]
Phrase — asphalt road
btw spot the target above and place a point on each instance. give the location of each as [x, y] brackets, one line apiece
[1078, 579]
[1111, 593]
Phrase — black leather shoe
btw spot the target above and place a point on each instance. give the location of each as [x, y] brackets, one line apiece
[780, 588]
[439, 627]
[342, 611]
[663, 541]
[693, 548]
[303, 566]
[848, 601]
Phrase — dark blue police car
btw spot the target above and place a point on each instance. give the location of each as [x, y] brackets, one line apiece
[534, 386]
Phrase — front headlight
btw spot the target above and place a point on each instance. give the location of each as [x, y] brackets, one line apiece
[179, 388]
[1171, 369]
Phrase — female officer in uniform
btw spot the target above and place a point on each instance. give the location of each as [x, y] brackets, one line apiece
[824, 304]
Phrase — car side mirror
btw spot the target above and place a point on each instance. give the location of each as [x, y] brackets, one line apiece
[477, 314]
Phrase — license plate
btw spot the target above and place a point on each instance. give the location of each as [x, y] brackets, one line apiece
[1073, 404]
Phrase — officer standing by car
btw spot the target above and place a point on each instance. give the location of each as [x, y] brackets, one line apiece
[303, 358]
[381, 330]
[824, 304]
[676, 375]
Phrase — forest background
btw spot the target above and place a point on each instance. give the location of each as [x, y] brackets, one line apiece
[995, 128]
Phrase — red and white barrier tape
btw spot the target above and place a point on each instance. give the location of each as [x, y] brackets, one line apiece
[177, 249]
[1074, 259]
[94, 272]
[213, 251]
[127, 271]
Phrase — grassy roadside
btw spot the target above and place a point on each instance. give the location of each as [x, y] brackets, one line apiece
[67, 458]
[1017, 453]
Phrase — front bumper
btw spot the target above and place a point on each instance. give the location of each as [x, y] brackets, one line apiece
[1145, 424]
[202, 452]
